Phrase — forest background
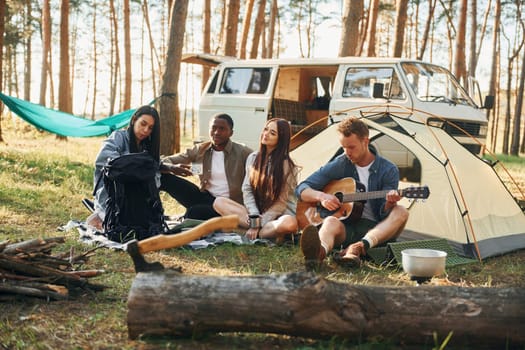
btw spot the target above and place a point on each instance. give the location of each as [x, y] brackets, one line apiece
[96, 58]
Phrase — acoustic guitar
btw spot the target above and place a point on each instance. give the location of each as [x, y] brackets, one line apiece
[352, 196]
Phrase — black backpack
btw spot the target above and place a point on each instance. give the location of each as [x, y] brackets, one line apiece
[133, 208]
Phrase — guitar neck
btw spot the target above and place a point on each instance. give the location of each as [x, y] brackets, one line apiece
[363, 196]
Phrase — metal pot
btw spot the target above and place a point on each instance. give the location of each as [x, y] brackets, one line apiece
[424, 263]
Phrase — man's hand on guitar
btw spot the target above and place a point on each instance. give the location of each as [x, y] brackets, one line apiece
[329, 201]
[392, 197]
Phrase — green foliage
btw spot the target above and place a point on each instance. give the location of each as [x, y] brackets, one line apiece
[510, 160]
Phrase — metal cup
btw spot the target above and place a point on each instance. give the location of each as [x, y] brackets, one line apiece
[254, 220]
[196, 168]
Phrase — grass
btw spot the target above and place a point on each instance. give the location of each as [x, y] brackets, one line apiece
[42, 182]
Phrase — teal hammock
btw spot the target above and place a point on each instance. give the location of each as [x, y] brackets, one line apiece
[65, 124]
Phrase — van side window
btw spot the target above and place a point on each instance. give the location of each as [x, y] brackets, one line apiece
[245, 80]
[359, 82]
[213, 84]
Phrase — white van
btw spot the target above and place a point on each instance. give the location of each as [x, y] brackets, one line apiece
[309, 92]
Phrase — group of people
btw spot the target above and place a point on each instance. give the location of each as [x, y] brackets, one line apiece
[261, 186]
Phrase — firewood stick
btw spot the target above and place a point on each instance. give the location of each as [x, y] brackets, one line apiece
[32, 270]
[7, 288]
[31, 244]
[86, 273]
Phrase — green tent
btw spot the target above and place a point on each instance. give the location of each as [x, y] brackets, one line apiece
[62, 123]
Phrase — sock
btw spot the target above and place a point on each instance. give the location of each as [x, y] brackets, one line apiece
[371, 241]
[325, 247]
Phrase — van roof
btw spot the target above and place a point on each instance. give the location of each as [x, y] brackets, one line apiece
[213, 60]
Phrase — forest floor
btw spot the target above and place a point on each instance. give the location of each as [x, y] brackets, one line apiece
[42, 183]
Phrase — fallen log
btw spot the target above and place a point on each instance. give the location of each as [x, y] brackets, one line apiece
[303, 304]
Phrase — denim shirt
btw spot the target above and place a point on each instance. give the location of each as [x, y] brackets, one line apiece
[384, 175]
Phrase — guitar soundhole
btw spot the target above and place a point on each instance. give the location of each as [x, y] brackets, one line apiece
[323, 212]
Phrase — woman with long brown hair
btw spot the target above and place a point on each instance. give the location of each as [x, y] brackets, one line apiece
[268, 187]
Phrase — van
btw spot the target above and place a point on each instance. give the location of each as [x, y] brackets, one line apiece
[313, 91]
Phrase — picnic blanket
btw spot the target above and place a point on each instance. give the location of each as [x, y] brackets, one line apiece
[89, 235]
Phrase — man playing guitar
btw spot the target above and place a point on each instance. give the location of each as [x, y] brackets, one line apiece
[382, 219]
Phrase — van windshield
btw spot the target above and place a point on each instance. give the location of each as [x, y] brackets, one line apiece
[432, 83]
[245, 80]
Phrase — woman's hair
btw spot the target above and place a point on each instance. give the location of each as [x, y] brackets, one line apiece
[152, 143]
[267, 176]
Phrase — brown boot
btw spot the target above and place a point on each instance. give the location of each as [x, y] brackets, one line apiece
[313, 251]
[351, 256]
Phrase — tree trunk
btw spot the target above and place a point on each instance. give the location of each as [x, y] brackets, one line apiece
[127, 58]
[271, 30]
[206, 45]
[246, 23]
[230, 31]
[493, 72]
[28, 51]
[430, 17]
[508, 97]
[460, 70]
[303, 304]
[473, 38]
[64, 87]
[115, 57]
[515, 145]
[153, 51]
[219, 44]
[168, 104]
[510, 64]
[401, 18]
[372, 26]
[46, 47]
[306, 48]
[2, 30]
[95, 60]
[258, 29]
[350, 29]
[363, 26]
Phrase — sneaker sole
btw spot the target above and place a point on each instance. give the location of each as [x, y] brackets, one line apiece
[347, 261]
[310, 243]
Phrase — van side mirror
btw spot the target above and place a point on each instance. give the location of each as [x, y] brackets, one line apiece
[378, 90]
[489, 102]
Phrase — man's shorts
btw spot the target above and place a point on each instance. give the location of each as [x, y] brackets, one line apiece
[356, 230]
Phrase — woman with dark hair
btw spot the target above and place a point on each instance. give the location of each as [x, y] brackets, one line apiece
[142, 135]
[268, 187]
